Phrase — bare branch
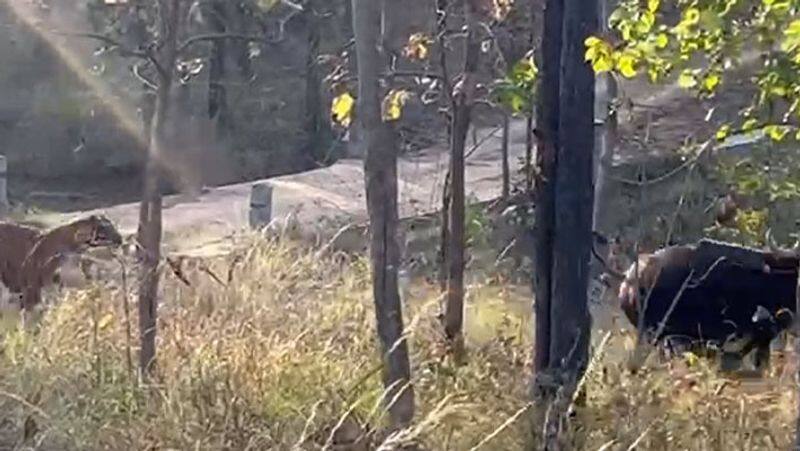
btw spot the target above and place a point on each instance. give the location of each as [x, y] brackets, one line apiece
[124, 51]
[411, 73]
[216, 37]
[146, 81]
[684, 166]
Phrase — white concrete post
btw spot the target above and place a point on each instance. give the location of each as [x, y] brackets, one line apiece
[4, 207]
[260, 205]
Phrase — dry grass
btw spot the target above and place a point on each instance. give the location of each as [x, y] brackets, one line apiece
[288, 352]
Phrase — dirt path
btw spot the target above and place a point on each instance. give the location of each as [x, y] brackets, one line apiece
[336, 194]
[332, 194]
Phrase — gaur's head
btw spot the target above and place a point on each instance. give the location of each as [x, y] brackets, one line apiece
[97, 231]
[634, 287]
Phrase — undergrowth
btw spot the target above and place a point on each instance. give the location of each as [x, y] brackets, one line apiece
[284, 357]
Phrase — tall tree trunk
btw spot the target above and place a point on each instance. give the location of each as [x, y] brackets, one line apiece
[547, 121]
[564, 209]
[504, 157]
[149, 233]
[380, 170]
[574, 197]
[463, 99]
[564, 199]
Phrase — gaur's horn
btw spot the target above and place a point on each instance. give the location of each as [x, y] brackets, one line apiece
[774, 248]
[611, 272]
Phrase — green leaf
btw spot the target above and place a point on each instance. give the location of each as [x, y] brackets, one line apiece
[524, 71]
[691, 16]
[791, 37]
[645, 22]
[749, 125]
[776, 132]
[723, 132]
[711, 82]
[687, 79]
[662, 40]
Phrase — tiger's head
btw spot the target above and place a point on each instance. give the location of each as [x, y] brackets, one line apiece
[97, 231]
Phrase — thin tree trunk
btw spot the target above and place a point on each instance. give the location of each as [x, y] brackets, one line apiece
[380, 170]
[217, 95]
[604, 148]
[463, 99]
[149, 233]
[528, 153]
[444, 238]
[316, 125]
[504, 156]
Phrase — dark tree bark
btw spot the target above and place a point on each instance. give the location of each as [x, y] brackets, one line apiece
[564, 202]
[463, 100]
[149, 233]
[547, 114]
[444, 237]
[380, 170]
[574, 196]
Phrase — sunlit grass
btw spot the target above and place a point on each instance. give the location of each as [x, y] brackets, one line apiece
[287, 352]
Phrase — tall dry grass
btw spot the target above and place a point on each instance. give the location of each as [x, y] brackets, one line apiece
[285, 358]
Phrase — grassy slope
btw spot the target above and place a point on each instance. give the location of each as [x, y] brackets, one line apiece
[287, 351]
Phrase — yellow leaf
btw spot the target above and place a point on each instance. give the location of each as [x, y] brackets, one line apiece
[776, 132]
[342, 109]
[626, 64]
[652, 5]
[592, 41]
[711, 82]
[791, 37]
[723, 132]
[687, 80]
[662, 40]
[393, 104]
[691, 16]
[417, 47]
[645, 23]
[600, 53]
[749, 125]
